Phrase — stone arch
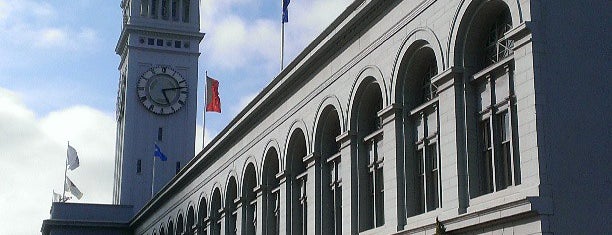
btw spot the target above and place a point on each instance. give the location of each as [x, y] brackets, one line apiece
[191, 218]
[216, 204]
[270, 190]
[328, 126]
[215, 186]
[202, 210]
[248, 196]
[232, 173]
[250, 160]
[170, 226]
[368, 75]
[297, 124]
[272, 144]
[180, 222]
[162, 228]
[367, 99]
[416, 38]
[231, 194]
[328, 101]
[462, 19]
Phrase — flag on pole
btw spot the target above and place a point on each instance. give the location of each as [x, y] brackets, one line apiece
[73, 158]
[213, 102]
[71, 188]
[286, 11]
[158, 153]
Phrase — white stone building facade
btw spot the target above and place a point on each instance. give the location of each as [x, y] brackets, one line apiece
[405, 113]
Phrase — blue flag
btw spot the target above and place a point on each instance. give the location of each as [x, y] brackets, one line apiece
[158, 153]
[285, 11]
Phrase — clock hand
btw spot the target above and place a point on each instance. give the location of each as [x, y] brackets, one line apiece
[169, 89]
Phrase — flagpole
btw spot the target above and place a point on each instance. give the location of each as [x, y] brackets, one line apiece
[282, 54]
[153, 178]
[204, 113]
[65, 173]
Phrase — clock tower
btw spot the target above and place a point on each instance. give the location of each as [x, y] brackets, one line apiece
[156, 101]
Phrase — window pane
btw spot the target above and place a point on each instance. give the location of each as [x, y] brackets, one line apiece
[486, 157]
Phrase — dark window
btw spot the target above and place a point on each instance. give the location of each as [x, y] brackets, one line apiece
[487, 156]
[160, 134]
[178, 167]
[138, 166]
[154, 9]
[151, 41]
[175, 16]
[160, 42]
[186, 11]
[177, 44]
[164, 9]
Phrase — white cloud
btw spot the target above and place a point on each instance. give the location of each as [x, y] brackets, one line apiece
[33, 156]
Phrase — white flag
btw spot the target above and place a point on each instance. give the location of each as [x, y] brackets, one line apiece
[56, 197]
[73, 158]
[71, 188]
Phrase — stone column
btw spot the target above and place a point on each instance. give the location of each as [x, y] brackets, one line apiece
[313, 194]
[453, 162]
[348, 170]
[238, 202]
[259, 213]
[393, 168]
[222, 221]
[284, 203]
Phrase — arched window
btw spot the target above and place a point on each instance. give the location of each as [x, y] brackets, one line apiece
[370, 159]
[162, 230]
[180, 225]
[492, 145]
[271, 194]
[249, 201]
[202, 217]
[230, 207]
[420, 101]
[215, 213]
[296, 186]
[191, 227]
[328, 129]
[170, 227]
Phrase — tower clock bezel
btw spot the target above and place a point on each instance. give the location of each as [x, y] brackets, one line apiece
[162, 90]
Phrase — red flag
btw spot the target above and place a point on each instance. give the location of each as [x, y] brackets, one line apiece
[213, 102]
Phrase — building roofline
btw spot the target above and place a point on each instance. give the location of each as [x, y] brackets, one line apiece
[309, 55]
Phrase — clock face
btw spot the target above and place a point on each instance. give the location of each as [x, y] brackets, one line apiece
[162, 90]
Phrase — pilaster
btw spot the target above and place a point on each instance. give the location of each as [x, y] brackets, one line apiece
[393, 168]
[284, 223]
[313, 193]
[239, 220]
[348, 171]
[259, 213]
[453, 162]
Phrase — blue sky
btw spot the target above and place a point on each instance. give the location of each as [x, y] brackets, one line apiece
[58, 83]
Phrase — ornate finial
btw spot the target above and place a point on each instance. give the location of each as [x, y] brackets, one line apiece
[440, 229]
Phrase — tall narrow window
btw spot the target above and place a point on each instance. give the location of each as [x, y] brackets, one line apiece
[178, 167]
[165, 9]
[370, 160]
[487, 156]
[175, 16]
[186, 7]
[504, 177]
[138, 166]
[144, 8]
[422, 146]
[154, 7]
[160, 134]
